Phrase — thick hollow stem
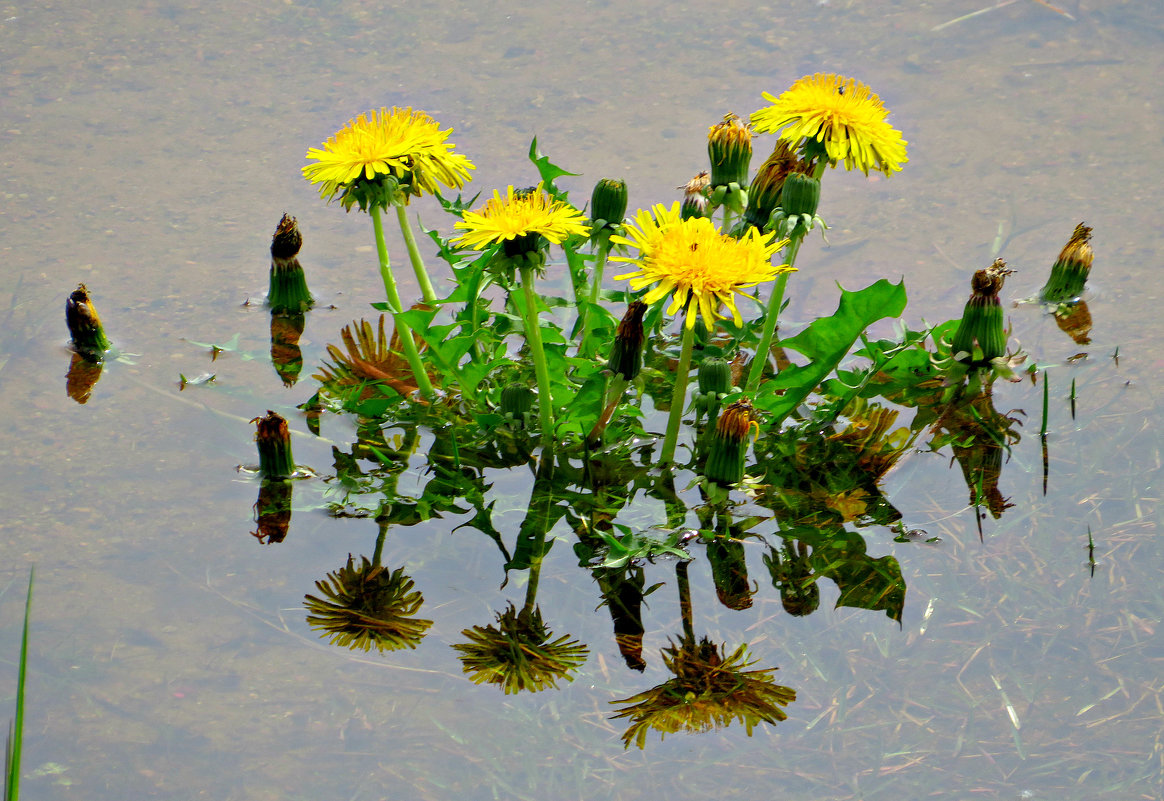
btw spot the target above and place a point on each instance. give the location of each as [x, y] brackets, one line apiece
[728, 220]
[678, 398]
[585, 348]
[533, 336]
[770, 318]
[406, 341]
[776, 301]
[376, 554]
[683, 584]
[426, 290]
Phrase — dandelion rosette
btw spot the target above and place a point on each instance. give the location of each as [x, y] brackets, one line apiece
[697, 266]
[520, 220]
[398, 148]
[842, 116]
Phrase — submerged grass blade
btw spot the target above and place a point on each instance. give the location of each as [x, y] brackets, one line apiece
[1043, 431]
[16, 729]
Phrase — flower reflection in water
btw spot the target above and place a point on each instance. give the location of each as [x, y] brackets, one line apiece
[709, 690]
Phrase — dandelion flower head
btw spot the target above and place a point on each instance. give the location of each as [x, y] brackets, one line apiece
[696, 265]
[520, 214]
[843, 115]
[400, 143]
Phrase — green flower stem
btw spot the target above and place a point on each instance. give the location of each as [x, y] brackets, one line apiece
[776, 301]
[683, 584]
[533, 336]
[678, 397]
[535, 571]
[727, 221]
[376, 555]
[773, 314]
[406, 341]
[586, 349]
[426, 290]
[541, 499]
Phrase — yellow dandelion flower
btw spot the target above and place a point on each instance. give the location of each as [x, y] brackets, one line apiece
[843, 115]
[400, 143]
[695, 264]
[519, 215]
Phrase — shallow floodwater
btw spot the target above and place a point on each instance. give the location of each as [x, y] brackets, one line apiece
[148, 150]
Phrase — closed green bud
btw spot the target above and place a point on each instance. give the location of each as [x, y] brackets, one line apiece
[764, 192]
[729, 148]
[607, 205]
[792, 575]
[715, 384]
[729, 573]
[800, 195]
[715, 376]
[516, 401]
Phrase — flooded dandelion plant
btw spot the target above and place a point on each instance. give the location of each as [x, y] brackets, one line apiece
[525, 366]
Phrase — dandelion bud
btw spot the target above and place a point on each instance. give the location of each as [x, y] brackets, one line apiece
[1074, 320]
[85, 326]
[729, 572]
[626, 355]
[715, 382]
[622, 591]
[764, 193]
[287, 292]
[274, 440]
[1069, 273]
[715, 376]
[982, 319]
[516, 401]
[695, 197]
[800, 195]
[792, 575]
[81, 378]
[286, 355]
[607, 205]
[287, 240]
[729, 148]
[273, 512]
[729, 444]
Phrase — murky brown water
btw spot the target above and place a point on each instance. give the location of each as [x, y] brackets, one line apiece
[149, 151]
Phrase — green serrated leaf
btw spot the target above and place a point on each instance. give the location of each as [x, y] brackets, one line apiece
[548, 170]
[825, 342]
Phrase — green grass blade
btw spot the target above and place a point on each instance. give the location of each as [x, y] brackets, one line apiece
[16, 730]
